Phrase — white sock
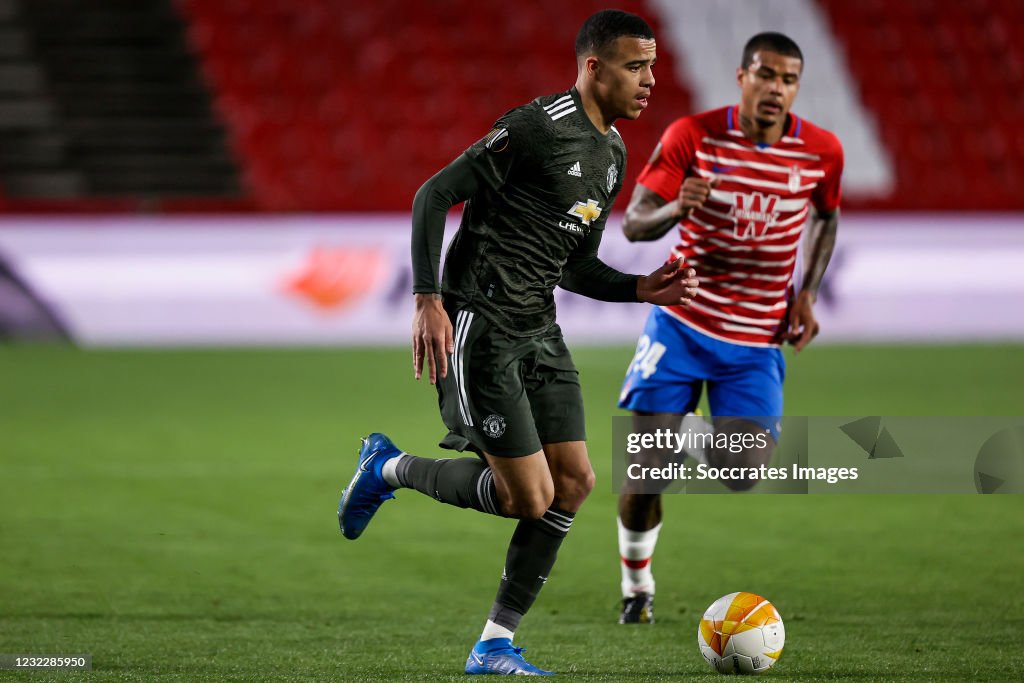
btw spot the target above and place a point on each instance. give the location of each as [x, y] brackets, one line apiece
[697, 426]
[635, 550]
[492, 630]
[390, 471]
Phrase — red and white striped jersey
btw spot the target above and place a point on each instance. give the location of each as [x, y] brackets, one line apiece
[743, 241]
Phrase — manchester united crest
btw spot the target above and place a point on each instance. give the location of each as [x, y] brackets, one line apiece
[494, 426]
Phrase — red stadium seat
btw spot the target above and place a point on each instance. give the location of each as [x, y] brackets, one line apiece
[944, 78]
[342, 107]
[330, 106]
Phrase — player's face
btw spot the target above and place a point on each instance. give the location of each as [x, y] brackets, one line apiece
[768, 87]
[625, 76]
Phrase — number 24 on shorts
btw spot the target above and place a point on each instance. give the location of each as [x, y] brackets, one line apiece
[645, 361]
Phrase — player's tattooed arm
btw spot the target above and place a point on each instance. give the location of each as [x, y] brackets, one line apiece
[649, 216]
[802, 326]
[821, 241]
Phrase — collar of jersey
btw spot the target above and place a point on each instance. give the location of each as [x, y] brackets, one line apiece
[594, 132]
[793, 125]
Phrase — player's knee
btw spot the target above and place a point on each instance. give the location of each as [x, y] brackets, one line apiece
[638, 502]
[530, 504]
[572, 488]
[591, 481]
[586, 482]
[745, 462]
[739, 485]
[533, 508]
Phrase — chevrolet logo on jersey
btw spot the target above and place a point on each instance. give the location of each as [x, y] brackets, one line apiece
[586, 212]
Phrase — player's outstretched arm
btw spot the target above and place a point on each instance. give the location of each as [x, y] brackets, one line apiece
[431, 327]
[670, 285]
[584, 273]
[648, 216]
[802, 326]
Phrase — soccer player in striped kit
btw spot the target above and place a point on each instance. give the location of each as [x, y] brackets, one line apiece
[740, 183]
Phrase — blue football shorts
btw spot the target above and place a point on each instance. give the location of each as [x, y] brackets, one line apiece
[673, 362]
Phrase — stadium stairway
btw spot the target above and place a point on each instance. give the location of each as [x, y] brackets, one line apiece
[103, 100]
[350, 106]
[710, 37]
[330, 105]
[33, 152]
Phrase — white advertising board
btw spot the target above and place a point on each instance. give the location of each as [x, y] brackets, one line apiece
[346, 279]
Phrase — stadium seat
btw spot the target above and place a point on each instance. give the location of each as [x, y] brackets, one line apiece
[331, 106]
[945, 82]
[369, 107]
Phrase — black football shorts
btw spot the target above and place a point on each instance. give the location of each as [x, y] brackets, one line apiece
[507, 395]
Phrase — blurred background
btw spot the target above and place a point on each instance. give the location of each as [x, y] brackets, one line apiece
[177, 175]
[241, 171]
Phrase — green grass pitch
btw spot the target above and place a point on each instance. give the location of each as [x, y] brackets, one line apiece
[173, 514]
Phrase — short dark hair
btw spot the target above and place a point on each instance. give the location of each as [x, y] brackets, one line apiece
[601, 29]
[772, 42]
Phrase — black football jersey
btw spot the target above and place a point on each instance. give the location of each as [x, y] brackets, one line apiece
[548, 177]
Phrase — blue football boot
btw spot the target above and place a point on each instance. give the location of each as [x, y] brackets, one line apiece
[500, 656]
[367, 490]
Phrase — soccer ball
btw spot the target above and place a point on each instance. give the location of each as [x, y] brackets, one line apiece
[741, 633]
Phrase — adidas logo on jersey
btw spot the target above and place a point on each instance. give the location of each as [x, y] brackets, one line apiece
[575, 170]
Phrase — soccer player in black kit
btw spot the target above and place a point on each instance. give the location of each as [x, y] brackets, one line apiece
[538, 190]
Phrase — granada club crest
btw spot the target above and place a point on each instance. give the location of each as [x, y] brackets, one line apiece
[753, 214]
[794, 179]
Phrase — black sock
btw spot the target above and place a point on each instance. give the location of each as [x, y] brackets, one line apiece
[531, 555]
[462, 482]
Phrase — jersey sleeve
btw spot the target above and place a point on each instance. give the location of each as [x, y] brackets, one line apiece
[454, 184]
[673, 155]
[827, 194]
[516, 141]
[585, 273]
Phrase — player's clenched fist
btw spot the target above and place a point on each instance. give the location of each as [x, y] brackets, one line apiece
[670, 285]
[693, 193]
